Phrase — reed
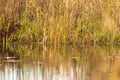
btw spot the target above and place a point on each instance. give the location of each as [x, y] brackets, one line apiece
[61, 21]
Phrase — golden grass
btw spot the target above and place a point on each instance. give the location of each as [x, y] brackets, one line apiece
[62, 21]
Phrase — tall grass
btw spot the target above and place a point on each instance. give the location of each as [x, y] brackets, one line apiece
[62, 21]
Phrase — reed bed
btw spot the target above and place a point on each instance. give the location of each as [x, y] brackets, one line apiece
[61, 21]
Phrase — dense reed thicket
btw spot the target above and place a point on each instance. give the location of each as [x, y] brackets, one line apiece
[60, 21]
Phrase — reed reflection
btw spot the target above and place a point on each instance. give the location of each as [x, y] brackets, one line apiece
[32, 62]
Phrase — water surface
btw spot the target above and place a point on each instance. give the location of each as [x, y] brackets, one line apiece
[36, 62]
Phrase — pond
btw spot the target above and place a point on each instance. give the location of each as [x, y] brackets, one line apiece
[68, 62]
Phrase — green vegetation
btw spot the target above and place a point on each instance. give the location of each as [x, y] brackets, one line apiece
[60, 21]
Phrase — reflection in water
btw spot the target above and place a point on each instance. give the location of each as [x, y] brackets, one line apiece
[33, 62]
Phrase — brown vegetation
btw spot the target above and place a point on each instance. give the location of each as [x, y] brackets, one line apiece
[61, 21]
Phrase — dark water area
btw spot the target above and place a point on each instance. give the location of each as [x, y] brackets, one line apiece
[37, 62]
